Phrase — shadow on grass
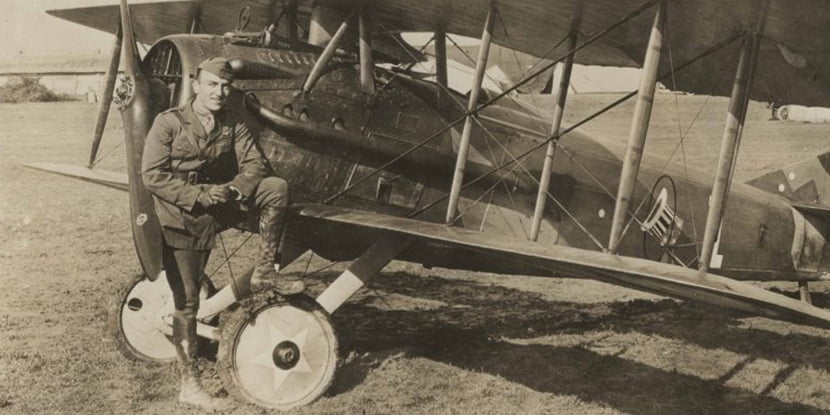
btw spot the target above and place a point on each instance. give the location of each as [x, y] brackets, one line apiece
[712, 327]
[467, 334]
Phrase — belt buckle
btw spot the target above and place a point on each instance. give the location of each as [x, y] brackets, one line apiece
[193, 177]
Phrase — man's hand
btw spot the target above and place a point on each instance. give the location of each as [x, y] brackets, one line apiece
[214, 195]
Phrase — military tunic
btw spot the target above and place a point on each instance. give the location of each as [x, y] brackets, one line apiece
[176, 169]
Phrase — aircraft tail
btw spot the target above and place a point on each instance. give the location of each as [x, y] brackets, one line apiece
[804, 183]
[819, 211]
[807, 186]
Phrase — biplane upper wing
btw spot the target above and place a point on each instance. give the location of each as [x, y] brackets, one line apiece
[430, 239]
[793, 63]
[155, 19]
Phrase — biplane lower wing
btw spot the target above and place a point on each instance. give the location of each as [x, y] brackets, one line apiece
[654, 277]
[107, 178]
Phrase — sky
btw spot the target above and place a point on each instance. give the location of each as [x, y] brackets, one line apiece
[25, 28]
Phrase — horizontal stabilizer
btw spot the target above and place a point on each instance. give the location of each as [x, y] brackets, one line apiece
[636, 273]
[820, 211]
[806, 182]
[107, 178]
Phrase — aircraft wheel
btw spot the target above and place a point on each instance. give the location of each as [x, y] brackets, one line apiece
[137, 319]
[783, 113]
[278, 353]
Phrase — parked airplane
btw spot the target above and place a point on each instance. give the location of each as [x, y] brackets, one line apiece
[385, 164]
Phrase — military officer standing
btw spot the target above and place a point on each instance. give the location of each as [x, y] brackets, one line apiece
[205, 172]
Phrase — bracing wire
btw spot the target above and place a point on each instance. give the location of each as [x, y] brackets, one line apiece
[507, 91]
[608, 107]
[518, 62]
[228, 261]
[519, 164]
[225, 253]
[107, 153]
[506, 152]
[210, 274]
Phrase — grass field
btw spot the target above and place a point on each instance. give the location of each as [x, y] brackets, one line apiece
[420, 341]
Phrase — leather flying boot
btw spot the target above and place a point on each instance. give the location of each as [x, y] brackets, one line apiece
[185, 341]
[265, 276]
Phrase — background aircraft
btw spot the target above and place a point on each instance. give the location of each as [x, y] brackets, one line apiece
[388, 165]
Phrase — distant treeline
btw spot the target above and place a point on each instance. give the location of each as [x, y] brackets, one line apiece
[29, 89]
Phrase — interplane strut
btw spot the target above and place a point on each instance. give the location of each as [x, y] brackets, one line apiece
[639, 128]
[464, 144]
[729, 149]
[441, 57]
[560, 96]
[367, 81]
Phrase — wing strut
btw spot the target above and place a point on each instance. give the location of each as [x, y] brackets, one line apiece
[472, 104]
[441, 57]
[367, 80]
[639, 127]
[106, 95]
[441, 78]
[195, 21]
[291, 18]
[729, 147]
[325, 57]
[363, 269]
[560, 95]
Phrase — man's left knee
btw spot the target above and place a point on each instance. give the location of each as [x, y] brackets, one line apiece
[272, 191]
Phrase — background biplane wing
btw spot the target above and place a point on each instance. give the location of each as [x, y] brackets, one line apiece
[431, 241]
[107, 178]
[793, 62]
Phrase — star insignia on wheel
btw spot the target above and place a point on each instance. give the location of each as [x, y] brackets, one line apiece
[266, 358]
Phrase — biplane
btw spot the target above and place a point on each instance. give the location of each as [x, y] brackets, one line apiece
[387, 163]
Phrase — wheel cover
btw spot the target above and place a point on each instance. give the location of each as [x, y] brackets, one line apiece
[142, 318]
[284, 356]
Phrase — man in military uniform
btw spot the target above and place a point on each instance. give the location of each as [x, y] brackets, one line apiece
[204, 170]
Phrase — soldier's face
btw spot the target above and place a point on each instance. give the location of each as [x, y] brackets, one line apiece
[211, 90]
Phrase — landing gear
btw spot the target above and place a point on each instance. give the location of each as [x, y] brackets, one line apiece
[278, 353]
[138, 319]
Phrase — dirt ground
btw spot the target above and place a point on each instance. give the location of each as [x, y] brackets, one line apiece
[419, 341]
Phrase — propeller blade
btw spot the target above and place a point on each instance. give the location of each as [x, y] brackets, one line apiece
[132, 60]
[106, 96]
[139, 106]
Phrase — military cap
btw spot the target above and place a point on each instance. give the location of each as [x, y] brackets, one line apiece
[217, 66]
